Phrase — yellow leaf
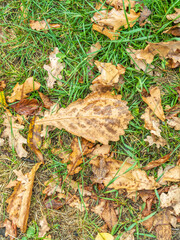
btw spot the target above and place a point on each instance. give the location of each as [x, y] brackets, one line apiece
[104, 236]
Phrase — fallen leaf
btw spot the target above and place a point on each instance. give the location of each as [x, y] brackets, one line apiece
[109, 215]
[178, 91]
[1, 142]
[172, 111]
[121, 175]
[34, 139]
[174, 122]
[11, 229]
[42, 25]
[100, 172]
[93, 52]
[74, 201]
[46, 101]
[16, 140]
[54, 69]
[157, 163]
[43, 227]
[26, 107]
[129, 235]
[153, 139]
[53, 186]
[104, 236]
[162, 225]
[21, 91]
[107, 32]
[53, 204]
[100, 116]
[171, 199]
[100, 150]
[110, 75]
[154, 102]
[174, 30]
[144, 15]
[174, 16]
[2, 100]
[19, 201]
[2, 85]
[172, 175]
[12, 184]
[118, 4]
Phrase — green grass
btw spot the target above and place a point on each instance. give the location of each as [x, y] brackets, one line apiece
[26, 51]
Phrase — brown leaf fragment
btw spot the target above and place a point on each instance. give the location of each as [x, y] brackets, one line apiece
[153, 139]
[42, 25]
[26, 107]
[93, 52]
[172, 111]
[53, 186]
[174, 122]
[100, 150]
[100, 172]
[109, 215]
[154, 102]
[34, 139]
[46, 101]
[148, 224]
[11, 229]
[19, 201]
[178, 91]
[54, 69]
[157, 163]
[174, 16]
[125, 177]
[129, 235]
[16, 140]
[43, 227]
[144, 15]
[172, 175]
[100, 116]
[53, 204]
[118, 4]
[171, 199]
[12, 184]
[162, 225]
[110, 75]
[2, 85]
[174, 30]
[74, 201]
[21, 91]
[107, 32]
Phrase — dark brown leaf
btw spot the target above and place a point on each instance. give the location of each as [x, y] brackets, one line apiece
[26, 107]
[53, 204]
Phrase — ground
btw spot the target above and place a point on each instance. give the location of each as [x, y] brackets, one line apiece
[23, 55]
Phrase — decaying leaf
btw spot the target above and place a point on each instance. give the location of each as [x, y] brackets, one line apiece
[100, 116]
[110, 76]
[74, 201]
[19, 201]
[21, 91]
[129, 235]
[174, 30]
[157, 163]
[153, 139]
[174, 16]
[154, 102]
[53, 186]
[144, 15]
[26, 107]
[46, 101]
[2, 85]
[107, 32]
[104, 236]
[42, 25]
[171, 199]
[54, 69]
[34, 139]
[16, 140]
[121, 175]
[174, 122]
[162, 225]
[172, 175]
[118, 4]
[53, 204]
[11, 229]
[43, 227]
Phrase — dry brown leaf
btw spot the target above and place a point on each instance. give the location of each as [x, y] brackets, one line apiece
[139, 63]
[172, 175]
[153, 139]
[12, 184]
[157, 163]
[174, 30]
[162, 225]
[110, 75]
[74, 201]
[107, 32]
[100, 150]
[11, 229]
[21, 91]
[53, 204]
[19, 201]
[43, 227]
[154, 102]
[129, 235]
[46, 101]
[144, 15]
[100, 116]
[104, 236]
[53, 186]
[115, 19]
[42, 25]
[16, 140]
[125, 177]
[54, 69]
[171, 199]
[174, 16]
[118, 4]
[174, 122]
[34, 139]
[26, 107]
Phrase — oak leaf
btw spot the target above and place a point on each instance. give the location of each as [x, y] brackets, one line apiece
[174, 16]
[16, 140]
[21, 91]
[42, 25]
[154, 102]
[43, 227]
[100, 116]
[54, 69]
[19, 201]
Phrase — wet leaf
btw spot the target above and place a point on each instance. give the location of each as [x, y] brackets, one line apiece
[43, 227]
[54, 69]
[157, 163]
[34, 139]
[26, 107]
[42, 25]
[19, 201]
[21, 91]
[100, 116]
